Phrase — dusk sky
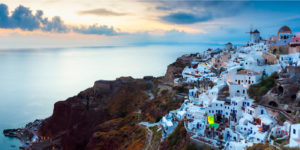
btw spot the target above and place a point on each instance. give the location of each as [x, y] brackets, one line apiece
[65, 23]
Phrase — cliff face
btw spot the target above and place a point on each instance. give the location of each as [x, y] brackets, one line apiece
[175, 69]
[95, 112]
[106, 116]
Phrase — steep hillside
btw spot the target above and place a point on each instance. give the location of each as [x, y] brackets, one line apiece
[107, 115]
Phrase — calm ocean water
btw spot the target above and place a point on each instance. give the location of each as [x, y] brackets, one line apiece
[31, 81]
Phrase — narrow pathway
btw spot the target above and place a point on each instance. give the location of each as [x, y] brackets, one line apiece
[149, 139]
[283, 112]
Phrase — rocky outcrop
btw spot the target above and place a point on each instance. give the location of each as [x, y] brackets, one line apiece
[106, 116]
[281, 95]
[76, 120]
[175, 69]
[286, 90]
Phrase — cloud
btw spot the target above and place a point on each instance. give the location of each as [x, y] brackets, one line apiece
[96, 29]
[3, 16]
[189, 12]
[55, 25]
[101, 12]
[185, 18]
[23, 18]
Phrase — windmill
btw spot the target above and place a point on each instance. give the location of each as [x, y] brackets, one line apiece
[251, 28]
[250, 32]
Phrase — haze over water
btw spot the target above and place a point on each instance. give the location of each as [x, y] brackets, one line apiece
[31, 81]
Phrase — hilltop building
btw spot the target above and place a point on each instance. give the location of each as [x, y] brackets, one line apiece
[280, 44]
[254, 36]
[228, 46]
[284, 36]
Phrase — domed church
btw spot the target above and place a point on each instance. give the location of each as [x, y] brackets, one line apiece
[284, 36]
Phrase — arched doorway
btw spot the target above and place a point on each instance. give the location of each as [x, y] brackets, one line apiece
[280, 89]
[272, 103]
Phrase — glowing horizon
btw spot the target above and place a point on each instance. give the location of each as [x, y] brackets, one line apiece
[132, 21]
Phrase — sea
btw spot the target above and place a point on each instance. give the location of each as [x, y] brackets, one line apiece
[32, 80]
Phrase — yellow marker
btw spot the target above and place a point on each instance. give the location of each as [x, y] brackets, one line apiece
[210, 120]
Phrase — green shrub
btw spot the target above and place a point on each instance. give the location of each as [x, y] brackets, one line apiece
[257, 90]
[282, 117]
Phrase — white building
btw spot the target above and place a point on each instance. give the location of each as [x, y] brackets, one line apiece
[254, 36]
[281, 131]
[295, 136]
[290, 59]
[238, 90]
[243, 77]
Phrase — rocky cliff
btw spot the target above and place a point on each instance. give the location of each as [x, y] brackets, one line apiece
[175, 69]
[106, 116]
[103, 116]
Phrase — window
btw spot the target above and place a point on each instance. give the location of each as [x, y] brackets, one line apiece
[294, 131]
